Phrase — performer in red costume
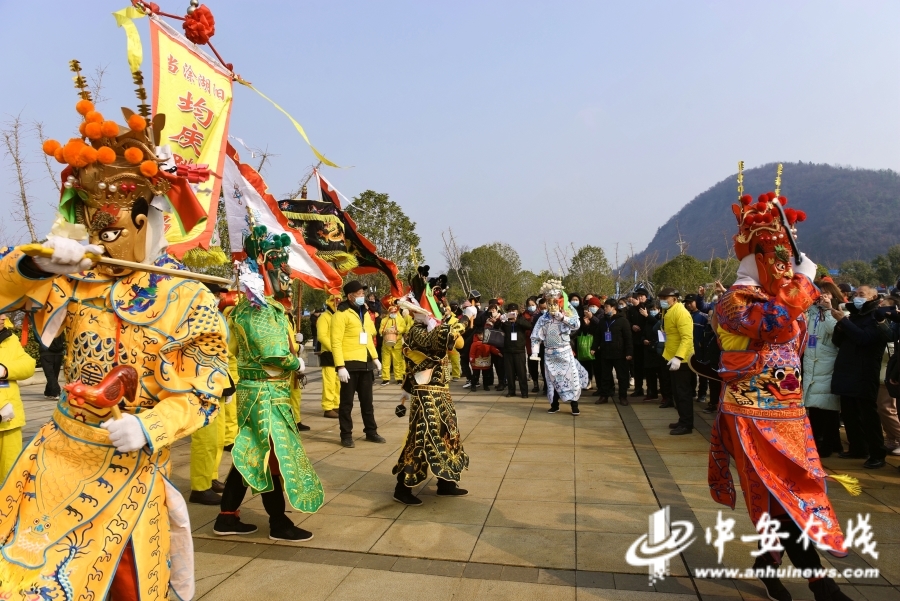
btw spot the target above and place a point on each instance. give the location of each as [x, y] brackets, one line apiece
[762, 422]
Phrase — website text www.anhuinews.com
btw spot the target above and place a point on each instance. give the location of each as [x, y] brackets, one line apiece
[785, 572]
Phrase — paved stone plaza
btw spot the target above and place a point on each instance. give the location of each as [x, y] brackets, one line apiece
[554, 503]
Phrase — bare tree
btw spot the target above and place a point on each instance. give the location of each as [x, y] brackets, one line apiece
[308, 175]
[452, 254]
[264, 155]
[96, 85]
[12, 138]
[51, 172]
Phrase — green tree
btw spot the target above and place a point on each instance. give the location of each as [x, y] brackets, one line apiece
[887, 266]
[723, 270]
[684, 272]
[857, 273]
[590, 271]
[393, 233]
[494, 270]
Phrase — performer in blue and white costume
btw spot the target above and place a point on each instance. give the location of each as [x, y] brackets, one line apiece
[565, 376]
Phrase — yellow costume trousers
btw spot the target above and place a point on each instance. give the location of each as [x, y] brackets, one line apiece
[455, 368]
[229, 413]
[392, 355]
[206, 453]
[331, 389]
[295, 401]
[10, 447]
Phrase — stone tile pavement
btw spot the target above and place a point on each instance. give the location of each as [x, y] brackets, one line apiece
[555, 501]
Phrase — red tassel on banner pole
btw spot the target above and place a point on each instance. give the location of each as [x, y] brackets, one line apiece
[25, 327]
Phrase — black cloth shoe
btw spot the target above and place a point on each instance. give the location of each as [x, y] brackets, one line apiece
[651, 397]
[871, 464]
[681, 431]
[709, 409]
[674, 425]
[473, 388]
[228, 447]
[403, 494]
[348, 442]
[375, 438]
[385, 382]
[624, 401]
[702, 399]
[826, 589]
[205, 497]
[849, 455]
[637, 393]
[291, 533]
[524, 395]
[666, 404]
[510, 394]
[597, 392]
[574, 405]
[230, 523]
[302, 427]
[554, 407]
[218, 486]
[448, 488]
[602, 400]
[536, 388]
[500, 387]
[774, 589]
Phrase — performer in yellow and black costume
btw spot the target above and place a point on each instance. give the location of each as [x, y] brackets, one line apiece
[331, 386]
[88, 510]
[433, 443]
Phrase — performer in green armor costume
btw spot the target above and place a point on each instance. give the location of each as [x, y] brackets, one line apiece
[433, 442]
[268, 455]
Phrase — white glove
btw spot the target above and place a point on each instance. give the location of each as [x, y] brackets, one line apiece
[674, 364]
[227, 400]
[343, 374]
[302, 367]
[68, 256]
[807, 267]
[298, 337]
[377, 365]
[126, 433]
[7, 413]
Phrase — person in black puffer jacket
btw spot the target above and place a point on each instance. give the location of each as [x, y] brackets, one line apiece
[861, 339]
[613, 349]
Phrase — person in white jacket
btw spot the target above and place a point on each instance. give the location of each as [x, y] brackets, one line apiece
[822, 407]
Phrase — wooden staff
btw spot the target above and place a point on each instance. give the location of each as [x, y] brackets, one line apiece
[38, 250]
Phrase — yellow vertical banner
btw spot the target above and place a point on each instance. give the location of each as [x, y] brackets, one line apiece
[195, 95]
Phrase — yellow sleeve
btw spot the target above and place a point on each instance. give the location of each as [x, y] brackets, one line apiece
[18, 290]
[338, 325]
[323, 331]
[685, 327]
[19, 364]
[402, 326]
[384, 322]
[370, 339]
[193, 369]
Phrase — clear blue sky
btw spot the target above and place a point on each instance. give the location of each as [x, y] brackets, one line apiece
[516, 121]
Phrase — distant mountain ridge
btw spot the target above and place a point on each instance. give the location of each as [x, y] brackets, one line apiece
[852, 213]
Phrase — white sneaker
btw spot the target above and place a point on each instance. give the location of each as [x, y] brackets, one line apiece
[467, 385]
[895, 451]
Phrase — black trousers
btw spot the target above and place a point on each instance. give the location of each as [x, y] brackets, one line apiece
[499, 363]
[715, 392]
[683, 394]
[465, 368]
[516, 371]
[699, 387]
[637, 366]
[607, 385]
[273, 501]
[360, 384]
[651, 377]
[534, 370]
[488, 377]
[665, 378]
[826, 427]
[590, 367]
[863, 426]
[51, 364]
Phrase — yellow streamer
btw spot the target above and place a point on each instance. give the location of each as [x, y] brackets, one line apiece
[124, 19]
[299, 127]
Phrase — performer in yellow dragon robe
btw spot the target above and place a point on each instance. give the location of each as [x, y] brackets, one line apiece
[88, 510]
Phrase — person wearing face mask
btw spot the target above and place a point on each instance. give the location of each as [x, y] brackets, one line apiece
[637, 317]
[516, 330]
[531, 314]
[650, 313]
[391, 330]
[861, 338]
[331, 386]
[590, 320]
[613, 349]
[355, 360]
[470, 312]
[577, 304]
[678, 335]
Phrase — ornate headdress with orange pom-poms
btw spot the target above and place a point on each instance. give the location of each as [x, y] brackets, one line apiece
[113, 166]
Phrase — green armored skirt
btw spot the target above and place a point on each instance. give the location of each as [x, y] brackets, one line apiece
[266, 426]
[432, 442]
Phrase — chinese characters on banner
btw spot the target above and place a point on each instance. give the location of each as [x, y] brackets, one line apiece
[195, 95]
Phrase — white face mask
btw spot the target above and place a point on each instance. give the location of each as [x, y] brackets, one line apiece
[654, 312]
[664, 304]
[593, 310]
[574, 303]
[360, 301]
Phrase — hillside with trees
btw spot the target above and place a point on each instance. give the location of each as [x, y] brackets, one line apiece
[853, 214]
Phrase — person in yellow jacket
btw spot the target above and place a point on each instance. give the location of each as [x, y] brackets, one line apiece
[678, 327]
[331, 387]
[15, 364]
[355, 361]
[393, 327]
[296, 388]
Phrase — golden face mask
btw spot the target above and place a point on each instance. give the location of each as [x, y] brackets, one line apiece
[122, 232]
